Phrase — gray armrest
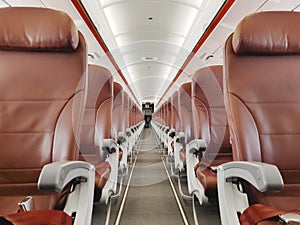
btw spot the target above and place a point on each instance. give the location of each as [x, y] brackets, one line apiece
[55, 176]
[180, 138]
[110, 187]
[262, 176]
[172, 133]
[110, 145]
[122, 137]
[194, 186]
[128, 132]
[196, 146]
[167, 130]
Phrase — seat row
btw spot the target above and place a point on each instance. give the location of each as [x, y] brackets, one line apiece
[250, 109]
[67, 130]
[196, 134]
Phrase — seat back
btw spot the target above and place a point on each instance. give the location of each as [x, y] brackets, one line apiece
[185, 111]
[117, 115]
[132, 110]
[97, 117]
[262, 96]
[175, 112]
[126, 111]
[210, 121]
[169, 113]
[42, 93]
[164, 114]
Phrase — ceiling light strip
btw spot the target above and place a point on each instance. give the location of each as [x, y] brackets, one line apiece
[81, 10]
[226, 6]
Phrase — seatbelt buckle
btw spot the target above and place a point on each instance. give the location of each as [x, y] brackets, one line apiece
[290, 217]
[26, 204]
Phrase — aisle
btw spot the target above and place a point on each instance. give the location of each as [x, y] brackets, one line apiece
[150, 199]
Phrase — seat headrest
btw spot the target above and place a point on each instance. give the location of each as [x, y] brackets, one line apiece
[37, 29]
[268, 33]
[117, 89]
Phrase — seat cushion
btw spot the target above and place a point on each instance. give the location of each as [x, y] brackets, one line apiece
[208, 179]
[37, 217]
[102, 174]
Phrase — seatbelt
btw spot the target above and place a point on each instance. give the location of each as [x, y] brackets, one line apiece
[258, 212]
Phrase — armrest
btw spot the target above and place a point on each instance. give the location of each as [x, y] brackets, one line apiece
[55, 176]
[110, 187]
[121, 137]
[196, 146]
[180, 137]
[167, 130]
[179, 140]
[262, 176]
[110, 145]
[172, 133]
[128, 132]
[194, 186]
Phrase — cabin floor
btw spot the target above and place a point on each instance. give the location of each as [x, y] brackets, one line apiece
[147, 195]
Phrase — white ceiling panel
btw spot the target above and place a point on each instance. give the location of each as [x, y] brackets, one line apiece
[148, 92]
[3, 4]
[280, 5]
[32, 3]
[154, 30]
[146, 17]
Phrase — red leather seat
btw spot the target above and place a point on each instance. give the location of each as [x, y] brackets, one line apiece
[117, 114]
[262, 100]
[175, 112]
[96, 124]
[210, 124]
[125, 112]
[118, 118]
[186, 114]
[174, 118]
[42, 92]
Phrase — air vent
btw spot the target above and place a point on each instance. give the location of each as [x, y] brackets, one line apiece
[149, 58]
